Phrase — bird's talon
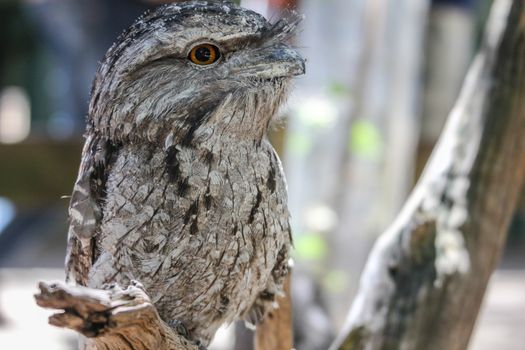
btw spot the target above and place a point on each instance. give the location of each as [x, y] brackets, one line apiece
[137, 284]
[199, 344]
[179, 327]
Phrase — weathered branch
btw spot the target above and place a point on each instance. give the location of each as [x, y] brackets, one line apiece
[126, 319]
[426, 276]
[276, 331]
[110, 319]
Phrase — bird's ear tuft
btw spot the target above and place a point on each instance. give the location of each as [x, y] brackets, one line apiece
[286, 27]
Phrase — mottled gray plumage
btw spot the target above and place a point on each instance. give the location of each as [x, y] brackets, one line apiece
[178, 186]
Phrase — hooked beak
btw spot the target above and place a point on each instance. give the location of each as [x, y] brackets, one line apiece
[285, 62]
[277, 61]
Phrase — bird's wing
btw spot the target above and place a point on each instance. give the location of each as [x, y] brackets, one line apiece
[85, 209]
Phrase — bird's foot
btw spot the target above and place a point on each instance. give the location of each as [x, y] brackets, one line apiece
[199, 344]
[179, 327]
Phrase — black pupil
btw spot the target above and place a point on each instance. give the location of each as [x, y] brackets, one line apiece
[203, 54]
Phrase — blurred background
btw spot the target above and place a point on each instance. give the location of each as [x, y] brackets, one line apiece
[381, 78]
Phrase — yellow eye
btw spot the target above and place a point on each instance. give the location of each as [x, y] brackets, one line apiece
[204, 54]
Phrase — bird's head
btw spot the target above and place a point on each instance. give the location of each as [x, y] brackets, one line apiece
[187, 70]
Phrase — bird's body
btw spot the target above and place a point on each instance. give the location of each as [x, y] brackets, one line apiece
[178, 187]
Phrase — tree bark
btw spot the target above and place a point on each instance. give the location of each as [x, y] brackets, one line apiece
[275, 332]
[426, 276]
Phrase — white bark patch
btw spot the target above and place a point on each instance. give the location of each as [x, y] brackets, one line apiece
[450, 165]
[452, 256]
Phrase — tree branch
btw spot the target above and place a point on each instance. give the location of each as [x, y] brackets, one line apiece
[426, 276]
[276, 331]
[110, 319]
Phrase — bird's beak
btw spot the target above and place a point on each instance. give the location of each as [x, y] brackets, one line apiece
[276, 61]
[282, 61]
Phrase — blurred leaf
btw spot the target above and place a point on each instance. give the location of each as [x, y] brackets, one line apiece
[310, 246]
[365, 140]
[337, 88]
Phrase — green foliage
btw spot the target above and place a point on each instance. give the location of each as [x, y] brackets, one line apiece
[310, 246]
[365, 140]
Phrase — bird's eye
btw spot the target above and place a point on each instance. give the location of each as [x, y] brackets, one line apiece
[204, 54]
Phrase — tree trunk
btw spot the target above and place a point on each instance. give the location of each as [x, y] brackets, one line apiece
[426, 276]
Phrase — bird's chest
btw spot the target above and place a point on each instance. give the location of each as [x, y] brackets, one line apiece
[204, 210]
[201, 229]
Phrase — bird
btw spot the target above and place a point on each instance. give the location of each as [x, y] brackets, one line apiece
[179, 187]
